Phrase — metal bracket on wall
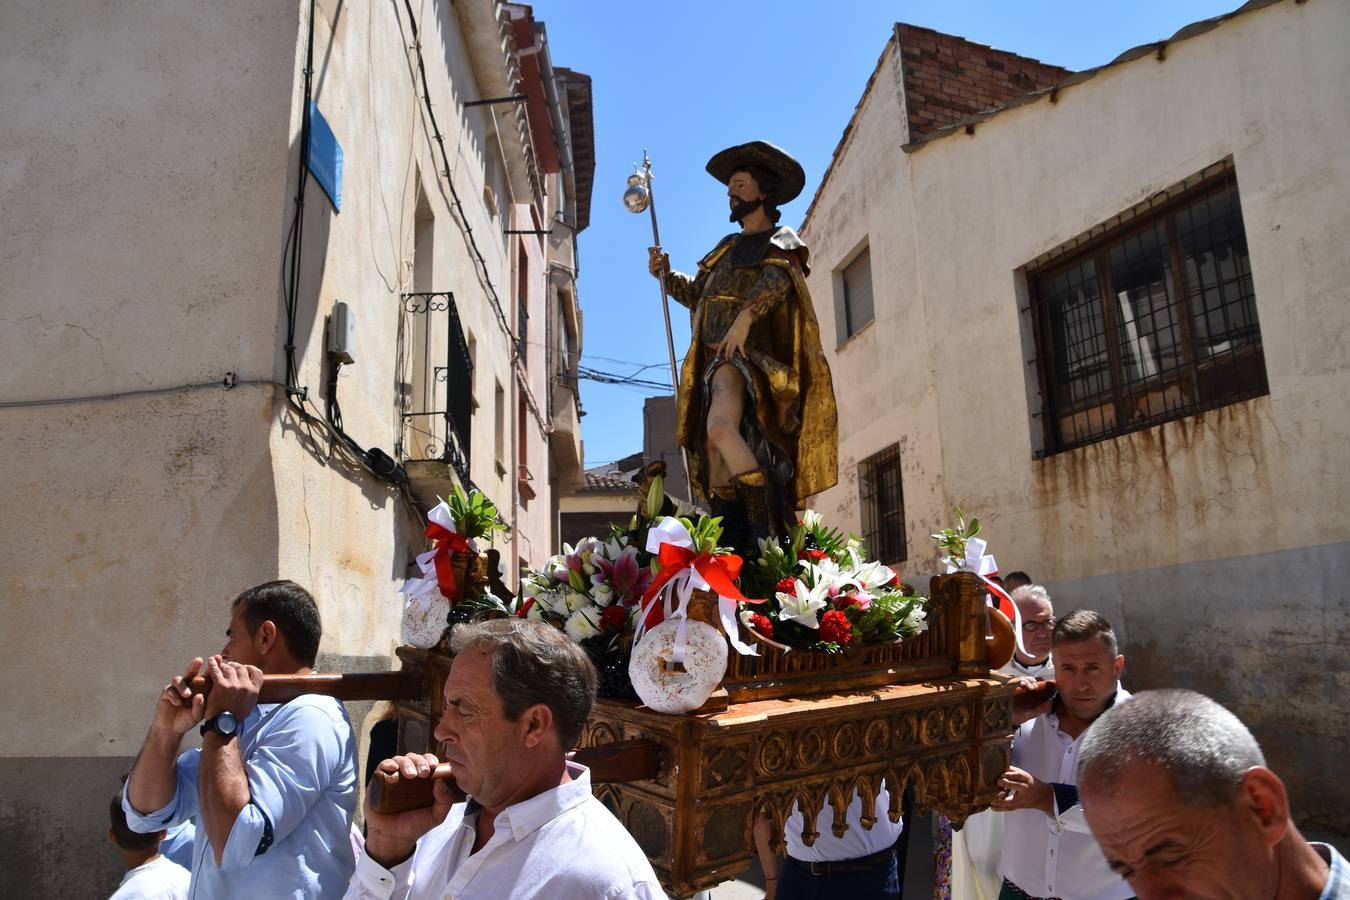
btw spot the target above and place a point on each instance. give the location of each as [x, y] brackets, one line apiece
[490, 100]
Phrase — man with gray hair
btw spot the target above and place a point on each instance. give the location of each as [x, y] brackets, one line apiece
[1038, 621]
[1177, 793]
[516, 699]
[977, 849]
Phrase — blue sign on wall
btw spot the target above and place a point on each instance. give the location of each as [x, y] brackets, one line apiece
[325, 156]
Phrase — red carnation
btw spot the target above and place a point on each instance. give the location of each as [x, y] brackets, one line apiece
[835, 628]
[844, 601]
[525, 609]
[814, 556]
[786, 585]
[761, 624]
[894, 582]
[614, 618]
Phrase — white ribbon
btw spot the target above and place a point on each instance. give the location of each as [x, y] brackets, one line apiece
[980, 564]
[676, 593]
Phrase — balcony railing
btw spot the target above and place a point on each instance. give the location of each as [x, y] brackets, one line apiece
[437, 407]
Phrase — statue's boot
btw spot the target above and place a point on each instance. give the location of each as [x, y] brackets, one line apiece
[752, 490]
[735, 530]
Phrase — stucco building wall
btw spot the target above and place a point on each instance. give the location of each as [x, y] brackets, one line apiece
[1213, 542]
[148, 176]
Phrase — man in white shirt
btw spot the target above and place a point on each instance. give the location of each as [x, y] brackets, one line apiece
[516, 699]
[860, 863]
[1177, 792]
[1048, 850]
[150, 875]
[977, 849]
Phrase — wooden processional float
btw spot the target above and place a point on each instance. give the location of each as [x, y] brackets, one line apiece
[801, 727]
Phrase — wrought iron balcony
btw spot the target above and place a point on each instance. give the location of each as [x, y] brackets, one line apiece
[436, 405]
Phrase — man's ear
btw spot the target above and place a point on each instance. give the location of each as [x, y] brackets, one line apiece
[1120, 667]
[112, 837]
[266, 636]
[536, 725]
[1262, 797]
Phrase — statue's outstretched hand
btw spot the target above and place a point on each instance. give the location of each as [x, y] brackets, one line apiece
[658, 263]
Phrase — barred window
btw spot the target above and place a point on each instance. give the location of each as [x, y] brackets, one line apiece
[1151, 321]
[883, 506]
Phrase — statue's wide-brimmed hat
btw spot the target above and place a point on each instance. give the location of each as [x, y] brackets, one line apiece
[760, 153]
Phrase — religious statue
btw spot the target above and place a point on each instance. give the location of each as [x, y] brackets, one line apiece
[756, 411]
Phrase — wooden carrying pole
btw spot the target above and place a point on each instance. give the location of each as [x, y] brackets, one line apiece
[622, 762]
[401, 685]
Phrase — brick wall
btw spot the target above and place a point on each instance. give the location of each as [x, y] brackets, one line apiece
[948, 78]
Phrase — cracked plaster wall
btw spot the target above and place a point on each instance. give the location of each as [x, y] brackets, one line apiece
[1251, 501]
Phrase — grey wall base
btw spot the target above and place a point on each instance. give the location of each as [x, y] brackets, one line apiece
[54, 826]
[1266, 635]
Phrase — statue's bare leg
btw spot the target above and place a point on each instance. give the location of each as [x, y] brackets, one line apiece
[728, 453]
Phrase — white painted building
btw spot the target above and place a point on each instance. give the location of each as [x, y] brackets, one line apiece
[178, 429]
[1108, 314]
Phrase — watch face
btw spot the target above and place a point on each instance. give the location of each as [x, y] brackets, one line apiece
[226, 723]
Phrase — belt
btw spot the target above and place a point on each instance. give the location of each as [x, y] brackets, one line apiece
[1012, 888]
[846, 866]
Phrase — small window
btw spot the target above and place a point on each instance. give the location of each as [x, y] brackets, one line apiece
[883, 506]
[1152, 321]
[853, 306]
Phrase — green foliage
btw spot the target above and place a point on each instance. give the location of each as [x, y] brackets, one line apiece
[953, 540]
[705, 533]
[474, 515]
[890, 616]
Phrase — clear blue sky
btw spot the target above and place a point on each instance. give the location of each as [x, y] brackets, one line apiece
[685, 79]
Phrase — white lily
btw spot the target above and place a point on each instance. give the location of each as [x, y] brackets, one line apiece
[803, 604]
[873, 575]
[828, 573]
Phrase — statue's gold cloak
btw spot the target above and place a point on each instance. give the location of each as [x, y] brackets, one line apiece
[791, 392]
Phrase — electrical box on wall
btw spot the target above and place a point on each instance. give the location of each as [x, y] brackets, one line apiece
[342, 333]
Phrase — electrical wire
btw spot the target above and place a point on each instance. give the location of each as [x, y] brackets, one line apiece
[609, 378]
[462, 219]
[225, 384]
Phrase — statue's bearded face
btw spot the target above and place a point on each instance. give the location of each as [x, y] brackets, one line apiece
[744, 195]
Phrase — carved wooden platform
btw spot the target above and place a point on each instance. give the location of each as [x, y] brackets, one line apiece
[951, 740]
[799, 729]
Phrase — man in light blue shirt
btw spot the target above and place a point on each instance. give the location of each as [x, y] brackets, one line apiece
[273, 786]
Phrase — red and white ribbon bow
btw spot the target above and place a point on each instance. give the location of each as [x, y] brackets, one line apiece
[437, 572]
[684, 571]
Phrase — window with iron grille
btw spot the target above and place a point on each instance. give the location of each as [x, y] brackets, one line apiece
[883, 506]
[1149, 321]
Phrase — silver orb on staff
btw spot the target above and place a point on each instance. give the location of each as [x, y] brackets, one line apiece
[639, 198]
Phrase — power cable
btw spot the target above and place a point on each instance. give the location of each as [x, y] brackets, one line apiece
[481, 269]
